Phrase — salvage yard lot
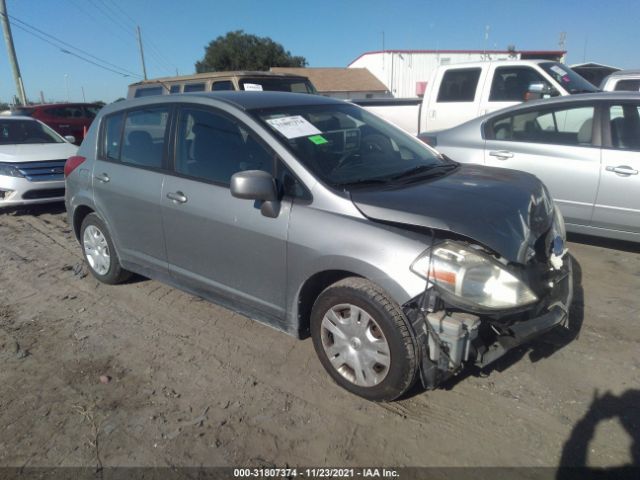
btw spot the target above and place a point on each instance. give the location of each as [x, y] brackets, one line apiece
[192, 383]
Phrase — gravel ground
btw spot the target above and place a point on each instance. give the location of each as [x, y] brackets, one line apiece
[143, 374]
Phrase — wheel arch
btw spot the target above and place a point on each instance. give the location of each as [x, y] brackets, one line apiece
[311, 288]
[79, 214]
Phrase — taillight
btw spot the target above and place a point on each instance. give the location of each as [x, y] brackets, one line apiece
[72, 163]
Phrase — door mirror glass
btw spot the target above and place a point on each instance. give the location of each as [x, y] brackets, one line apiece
[254, 185]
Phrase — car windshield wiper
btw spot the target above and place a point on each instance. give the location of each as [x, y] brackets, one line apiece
[427, 170]
[364, 182]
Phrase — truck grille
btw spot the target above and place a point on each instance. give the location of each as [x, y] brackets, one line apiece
[45, 171]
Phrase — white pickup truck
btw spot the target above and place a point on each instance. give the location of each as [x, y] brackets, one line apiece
[457, 93]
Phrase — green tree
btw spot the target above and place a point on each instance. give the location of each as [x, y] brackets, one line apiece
[241, 51]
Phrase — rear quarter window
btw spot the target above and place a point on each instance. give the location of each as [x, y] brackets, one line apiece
[111, 137]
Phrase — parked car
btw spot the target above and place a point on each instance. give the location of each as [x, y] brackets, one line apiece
[316, 217]
[459, 92]
[68, 119]
[220, 81]
[32, 159]
[586, 149]
[623, 80]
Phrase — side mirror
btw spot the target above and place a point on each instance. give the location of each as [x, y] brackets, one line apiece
[536, 91]
[257, 185]
[254, 185]
[70, 138]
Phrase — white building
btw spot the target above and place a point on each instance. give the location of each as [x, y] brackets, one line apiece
[405, 72]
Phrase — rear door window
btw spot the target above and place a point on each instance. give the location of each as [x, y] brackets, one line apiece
[143, 137]
[624, 122]
[561, 126]
[174, 89]
[459, 85]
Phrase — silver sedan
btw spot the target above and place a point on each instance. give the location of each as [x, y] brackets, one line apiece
[585, 148]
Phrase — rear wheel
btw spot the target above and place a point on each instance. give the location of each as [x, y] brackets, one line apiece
[362, 339]
[99, 253]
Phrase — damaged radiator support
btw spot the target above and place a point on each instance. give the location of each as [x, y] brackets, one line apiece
[444, 342]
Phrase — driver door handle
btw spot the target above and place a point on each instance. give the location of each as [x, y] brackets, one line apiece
[177, 197]
[501, 154]
[622, 170]
[102, 177]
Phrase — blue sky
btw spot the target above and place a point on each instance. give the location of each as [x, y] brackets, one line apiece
[328, 33]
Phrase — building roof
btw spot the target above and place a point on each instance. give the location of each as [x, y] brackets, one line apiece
[558, 53]
[338, 79]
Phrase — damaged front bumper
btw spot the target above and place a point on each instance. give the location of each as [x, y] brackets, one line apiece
[449, 339]
[521, 332]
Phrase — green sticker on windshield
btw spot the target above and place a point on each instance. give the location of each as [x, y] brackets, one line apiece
[318, 139]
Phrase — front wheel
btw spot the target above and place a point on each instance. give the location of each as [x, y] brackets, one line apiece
[363, 340]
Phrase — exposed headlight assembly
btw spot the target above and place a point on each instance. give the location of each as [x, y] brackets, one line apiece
[472, 279]
[9, 171]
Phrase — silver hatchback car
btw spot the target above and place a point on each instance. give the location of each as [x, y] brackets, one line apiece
[585, 148]
[317, 218]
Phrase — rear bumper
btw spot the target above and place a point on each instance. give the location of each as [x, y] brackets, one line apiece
[16, 192]
[522, 332]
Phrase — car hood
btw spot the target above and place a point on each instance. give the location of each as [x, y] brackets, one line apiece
[505, 210]
[34, 152]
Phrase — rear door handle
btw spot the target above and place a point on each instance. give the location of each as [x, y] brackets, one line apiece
[501, 154]
[177, 197]
[622, 170]
[103, 177]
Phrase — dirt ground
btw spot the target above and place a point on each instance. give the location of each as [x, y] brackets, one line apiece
[194, 384]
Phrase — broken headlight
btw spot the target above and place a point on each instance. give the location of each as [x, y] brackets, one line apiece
[471, 278]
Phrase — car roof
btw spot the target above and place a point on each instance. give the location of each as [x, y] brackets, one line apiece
[55, 105]
[242, 100]
[215, 75]
[622, 73]
[575, 98]
[13, 118]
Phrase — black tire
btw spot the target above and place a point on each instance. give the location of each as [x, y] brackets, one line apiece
[115, 273]
[387, 314]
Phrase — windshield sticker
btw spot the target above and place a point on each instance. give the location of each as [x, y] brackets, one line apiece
[318, 139]
[252, 87]
[294, 126]
[558, 70]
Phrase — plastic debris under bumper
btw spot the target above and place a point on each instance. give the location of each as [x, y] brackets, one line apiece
[522, 332]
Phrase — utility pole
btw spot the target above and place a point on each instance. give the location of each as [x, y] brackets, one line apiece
[8, 39]
[144, 67]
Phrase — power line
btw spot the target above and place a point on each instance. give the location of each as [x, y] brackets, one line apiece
[107, 11]
[110, 16]
[158, 57]
[62, 42]
[70, 53]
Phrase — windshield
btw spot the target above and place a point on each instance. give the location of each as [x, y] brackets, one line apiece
[570, 80]
[26, 131]
[345, 145]
[277, 84]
